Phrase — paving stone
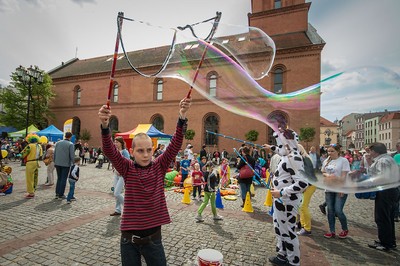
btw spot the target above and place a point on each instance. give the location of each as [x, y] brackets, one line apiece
[45, 231]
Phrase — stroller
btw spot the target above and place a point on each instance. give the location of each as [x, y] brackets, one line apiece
[260, 170]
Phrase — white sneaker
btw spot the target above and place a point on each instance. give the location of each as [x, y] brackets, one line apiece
[199, 218]
[218, 218]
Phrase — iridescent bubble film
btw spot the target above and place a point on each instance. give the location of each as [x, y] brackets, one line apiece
[236, 57]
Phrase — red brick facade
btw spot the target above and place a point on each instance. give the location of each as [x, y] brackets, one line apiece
[297, 54]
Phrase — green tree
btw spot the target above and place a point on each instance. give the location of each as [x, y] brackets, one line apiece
[307, 134]
[14, 99]
[189, 134]
[85, 135]
[252, 135]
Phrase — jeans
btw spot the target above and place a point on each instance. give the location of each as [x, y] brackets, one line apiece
[71, 189]
[335, 202]
[184, 176]
[153, 253]
[196, 188]
[119, 197]
[62, 176]
[244, 188]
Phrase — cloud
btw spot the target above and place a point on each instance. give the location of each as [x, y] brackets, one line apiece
[360, 90]
[4, 83]
[8, 6]
[82, 2]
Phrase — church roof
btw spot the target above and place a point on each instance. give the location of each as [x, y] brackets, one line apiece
[153, 57]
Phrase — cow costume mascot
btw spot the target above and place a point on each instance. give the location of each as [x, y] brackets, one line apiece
[288, 187]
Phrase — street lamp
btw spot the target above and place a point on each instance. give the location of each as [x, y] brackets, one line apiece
[26, 76]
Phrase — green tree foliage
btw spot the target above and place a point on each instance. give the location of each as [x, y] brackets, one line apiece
[15, 103]
[252, 135]
[307, 134]
[189, 134]
[85, 135]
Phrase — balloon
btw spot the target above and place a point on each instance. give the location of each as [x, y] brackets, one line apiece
[43, 140]
[4, 153]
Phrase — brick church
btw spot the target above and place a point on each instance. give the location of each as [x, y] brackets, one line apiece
[81, 86]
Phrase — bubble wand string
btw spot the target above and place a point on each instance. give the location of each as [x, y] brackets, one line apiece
[232, 138]
[114, 63]
[251, 168]
[207, 42]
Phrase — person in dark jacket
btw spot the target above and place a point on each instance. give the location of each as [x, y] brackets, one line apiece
[384, 167]
[245, 183]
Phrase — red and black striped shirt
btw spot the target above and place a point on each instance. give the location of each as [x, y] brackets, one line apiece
[144, 204]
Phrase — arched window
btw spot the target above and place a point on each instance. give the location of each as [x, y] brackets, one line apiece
[276, 117]
[77, 95]
[158, 122]
[213, 85]
[278, 4]
[113, 123]
[211, 123]
[76, 127]
[278, 80]
[159, 84]
[115, 92]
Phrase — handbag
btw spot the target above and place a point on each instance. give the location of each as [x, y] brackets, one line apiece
[47, 160]
[366, 195]
[245, 172]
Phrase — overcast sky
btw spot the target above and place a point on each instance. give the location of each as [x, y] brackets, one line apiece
[358, 33]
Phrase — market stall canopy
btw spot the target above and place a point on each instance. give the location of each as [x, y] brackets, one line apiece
[149, 129]
[52, 133]
[21, 133]
[7, 129]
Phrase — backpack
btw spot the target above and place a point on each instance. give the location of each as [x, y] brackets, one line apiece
[309, 169]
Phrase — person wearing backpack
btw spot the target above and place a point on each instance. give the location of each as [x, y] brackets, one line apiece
[305, 216]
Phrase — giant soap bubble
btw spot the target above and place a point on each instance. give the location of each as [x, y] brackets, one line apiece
[234, 57]
[372, 93]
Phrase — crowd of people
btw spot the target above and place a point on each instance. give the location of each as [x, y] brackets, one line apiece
[139, 176]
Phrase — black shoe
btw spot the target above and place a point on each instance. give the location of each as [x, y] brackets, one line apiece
[396, 219]
[378, 246]
[275, 260]
[115, 214]
[299, 225]
[322, 209]
[392, 247]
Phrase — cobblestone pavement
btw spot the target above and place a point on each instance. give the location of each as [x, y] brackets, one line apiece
[46, 231]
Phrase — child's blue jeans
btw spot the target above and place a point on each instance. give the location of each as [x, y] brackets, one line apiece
[71, 189]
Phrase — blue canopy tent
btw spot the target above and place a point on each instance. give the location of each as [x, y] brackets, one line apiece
[7, 129]
[52, 133]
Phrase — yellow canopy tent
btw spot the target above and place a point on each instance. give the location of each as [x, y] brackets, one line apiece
[149, 129]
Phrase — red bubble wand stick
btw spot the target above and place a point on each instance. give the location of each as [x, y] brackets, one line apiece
[114, 63]
[207, 40]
